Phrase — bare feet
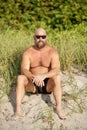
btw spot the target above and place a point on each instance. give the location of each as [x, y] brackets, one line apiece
[60, 114]
[17, 116]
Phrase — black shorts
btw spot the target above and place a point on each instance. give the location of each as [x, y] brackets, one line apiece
[42, 89]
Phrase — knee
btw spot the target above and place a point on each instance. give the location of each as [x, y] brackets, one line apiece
[21, 78]
[56, 79]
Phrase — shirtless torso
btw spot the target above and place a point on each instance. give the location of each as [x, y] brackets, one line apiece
[40, 61]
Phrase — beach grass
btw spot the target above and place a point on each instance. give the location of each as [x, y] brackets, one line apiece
[71, 45]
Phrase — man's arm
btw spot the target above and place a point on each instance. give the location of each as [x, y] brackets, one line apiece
[55, 66]
[25, 66]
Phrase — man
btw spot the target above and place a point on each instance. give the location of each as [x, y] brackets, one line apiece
[40, 72]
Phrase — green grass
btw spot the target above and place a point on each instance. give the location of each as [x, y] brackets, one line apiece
[72, 47]
[12, 43]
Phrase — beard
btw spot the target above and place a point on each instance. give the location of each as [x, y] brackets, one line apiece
[40, 44]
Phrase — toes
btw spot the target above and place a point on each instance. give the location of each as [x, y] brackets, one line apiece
[61, 116]
[17, 116]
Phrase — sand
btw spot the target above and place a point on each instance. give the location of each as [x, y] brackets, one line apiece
[39, 109]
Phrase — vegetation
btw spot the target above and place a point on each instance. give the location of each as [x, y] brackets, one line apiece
[72, 47]
[20, 18]
[61, 14]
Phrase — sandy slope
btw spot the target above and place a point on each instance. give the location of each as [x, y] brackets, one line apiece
[40, 109]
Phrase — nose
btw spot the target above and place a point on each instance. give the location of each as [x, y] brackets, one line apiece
[40, 37]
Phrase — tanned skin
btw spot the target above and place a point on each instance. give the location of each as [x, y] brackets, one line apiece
[39, 62]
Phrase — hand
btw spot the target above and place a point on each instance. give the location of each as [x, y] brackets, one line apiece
[39, 80]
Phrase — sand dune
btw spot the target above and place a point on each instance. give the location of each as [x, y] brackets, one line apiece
[40, 109]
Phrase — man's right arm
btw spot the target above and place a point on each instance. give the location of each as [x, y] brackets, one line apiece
[25, 66]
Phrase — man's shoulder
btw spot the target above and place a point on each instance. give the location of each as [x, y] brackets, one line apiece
[53, 50]
[27, 51]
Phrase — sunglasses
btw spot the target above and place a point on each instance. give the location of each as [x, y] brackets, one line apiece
[42, 36]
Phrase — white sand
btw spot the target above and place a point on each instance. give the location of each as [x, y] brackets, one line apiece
[39, 109]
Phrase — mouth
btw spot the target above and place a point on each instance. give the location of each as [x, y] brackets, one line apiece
[40, 44]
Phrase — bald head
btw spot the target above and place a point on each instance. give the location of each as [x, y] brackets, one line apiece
[40, 31]
[40, 38]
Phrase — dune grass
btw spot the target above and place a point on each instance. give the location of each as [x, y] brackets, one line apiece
[72, 47]
[12, 43]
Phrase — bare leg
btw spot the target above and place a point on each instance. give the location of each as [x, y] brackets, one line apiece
[57, 92]
[22, 82]
[20, 92]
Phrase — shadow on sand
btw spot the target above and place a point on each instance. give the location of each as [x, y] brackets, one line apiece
[12, 96]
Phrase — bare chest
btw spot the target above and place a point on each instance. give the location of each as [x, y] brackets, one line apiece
[40, 59]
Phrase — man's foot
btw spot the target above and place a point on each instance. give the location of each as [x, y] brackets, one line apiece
[17, 116]
[60, 114]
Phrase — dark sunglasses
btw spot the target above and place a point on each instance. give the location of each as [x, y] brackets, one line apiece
[42, 36]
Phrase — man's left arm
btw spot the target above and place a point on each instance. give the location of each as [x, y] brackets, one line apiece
[55, 66]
